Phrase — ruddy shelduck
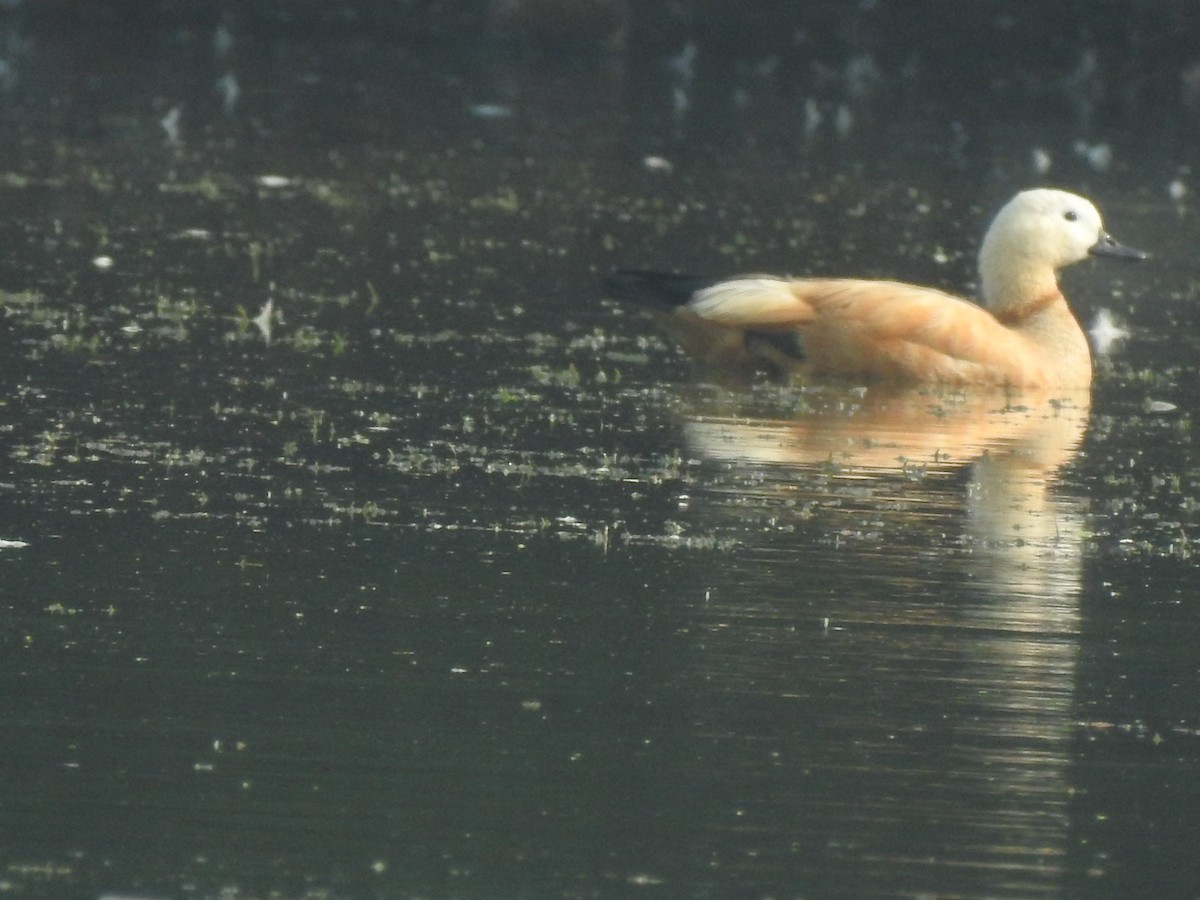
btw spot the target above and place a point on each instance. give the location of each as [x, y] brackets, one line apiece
[1023, 336]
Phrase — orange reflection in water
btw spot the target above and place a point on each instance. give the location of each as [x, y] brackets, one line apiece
[939, 698]
[1014, 444]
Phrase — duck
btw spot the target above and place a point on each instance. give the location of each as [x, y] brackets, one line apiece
[1023, 335]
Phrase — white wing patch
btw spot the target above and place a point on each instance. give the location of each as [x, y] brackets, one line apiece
[750, 303]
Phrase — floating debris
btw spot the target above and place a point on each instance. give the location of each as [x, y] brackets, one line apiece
[683, 64]
[680, 102]
[223, 41]
[103, 263]
[1177, 190]
[490, 111]
[843, 121]
[645, 879]
[265, 320]
[227, 86]
[766, 67]
[1158, 406]
[1083, 87]
[8, 76]
[658, 164]
[170, 124]
[1098, 156]
[1041, 161]
[863, 77]
[1105, 332]
[12, 545]
[960, 139]
[273, 181]
[1189, 80]
[812, 118]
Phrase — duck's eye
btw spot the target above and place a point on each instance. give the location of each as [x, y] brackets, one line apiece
[1070, 215]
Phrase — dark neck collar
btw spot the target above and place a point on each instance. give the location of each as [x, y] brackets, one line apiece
[1017, 315]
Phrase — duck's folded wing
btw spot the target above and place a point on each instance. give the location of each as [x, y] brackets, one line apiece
[903, 331]
[881, 328]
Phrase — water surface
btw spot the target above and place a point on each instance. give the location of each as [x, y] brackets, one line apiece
[362, 549]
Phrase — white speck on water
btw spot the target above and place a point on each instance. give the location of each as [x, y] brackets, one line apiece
[265, 319]
[658, 164]
[230, 91]
[645, 879]
[12, 545]
[680, 102]
[1177, 190]
[103, 263]
[170, 124]
[222, 41]
[812, 118]
[843, 122]
[1158, 406]
[862, 76]
[1098, 156]
[490, 110]
[1041, 161]
[1106, 331]
[959, 139]
[273, 181]
[1189, 80]
[8, 75]
[683, 63]
[766, 67]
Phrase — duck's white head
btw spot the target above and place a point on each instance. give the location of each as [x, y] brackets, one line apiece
[1034, 235]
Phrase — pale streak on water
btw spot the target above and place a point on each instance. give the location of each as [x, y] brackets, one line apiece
[932, 646]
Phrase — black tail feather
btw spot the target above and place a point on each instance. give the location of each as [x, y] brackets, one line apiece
[721, 350]
[661, 289]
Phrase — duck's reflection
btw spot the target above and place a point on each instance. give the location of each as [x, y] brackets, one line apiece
[950, 645]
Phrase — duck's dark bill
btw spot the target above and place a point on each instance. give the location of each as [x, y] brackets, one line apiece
[1109, 247]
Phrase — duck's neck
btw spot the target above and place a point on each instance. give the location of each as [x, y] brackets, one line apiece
[1013, 291]
[1027, 310]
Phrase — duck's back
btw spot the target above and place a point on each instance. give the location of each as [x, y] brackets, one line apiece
[887, 330]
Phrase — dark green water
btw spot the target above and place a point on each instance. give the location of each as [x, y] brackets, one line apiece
[462, 585]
